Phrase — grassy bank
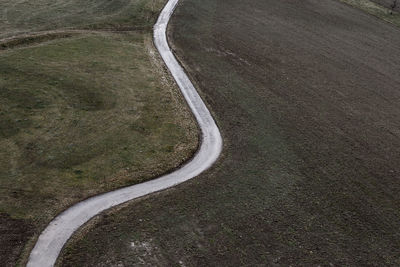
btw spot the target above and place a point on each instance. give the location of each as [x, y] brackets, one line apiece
[305, 93]
[377, 8]
[81, 113]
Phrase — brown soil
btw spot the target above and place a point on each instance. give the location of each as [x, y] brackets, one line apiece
[13, 235]
[307, 96]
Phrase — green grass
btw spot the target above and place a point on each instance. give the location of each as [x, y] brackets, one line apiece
[24, 16]
[376, 10]
[82, 116]
[86, 107]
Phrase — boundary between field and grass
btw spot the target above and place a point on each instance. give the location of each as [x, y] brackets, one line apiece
[57, 233]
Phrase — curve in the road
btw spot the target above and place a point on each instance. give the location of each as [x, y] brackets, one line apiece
[57, 233]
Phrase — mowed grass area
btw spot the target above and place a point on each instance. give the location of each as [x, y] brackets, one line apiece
[83, 114]
[378, 8]
[306, 95]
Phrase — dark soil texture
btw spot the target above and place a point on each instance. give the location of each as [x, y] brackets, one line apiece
[13, 235]
[307, 95]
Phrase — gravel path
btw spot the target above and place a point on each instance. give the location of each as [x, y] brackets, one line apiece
[57, 233]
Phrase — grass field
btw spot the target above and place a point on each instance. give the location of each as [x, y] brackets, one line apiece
[81, 112]
[22, 16]
[306, 94]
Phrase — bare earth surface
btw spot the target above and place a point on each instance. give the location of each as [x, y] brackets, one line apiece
[307, 95]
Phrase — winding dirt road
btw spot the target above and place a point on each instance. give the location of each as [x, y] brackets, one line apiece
[57, 233]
